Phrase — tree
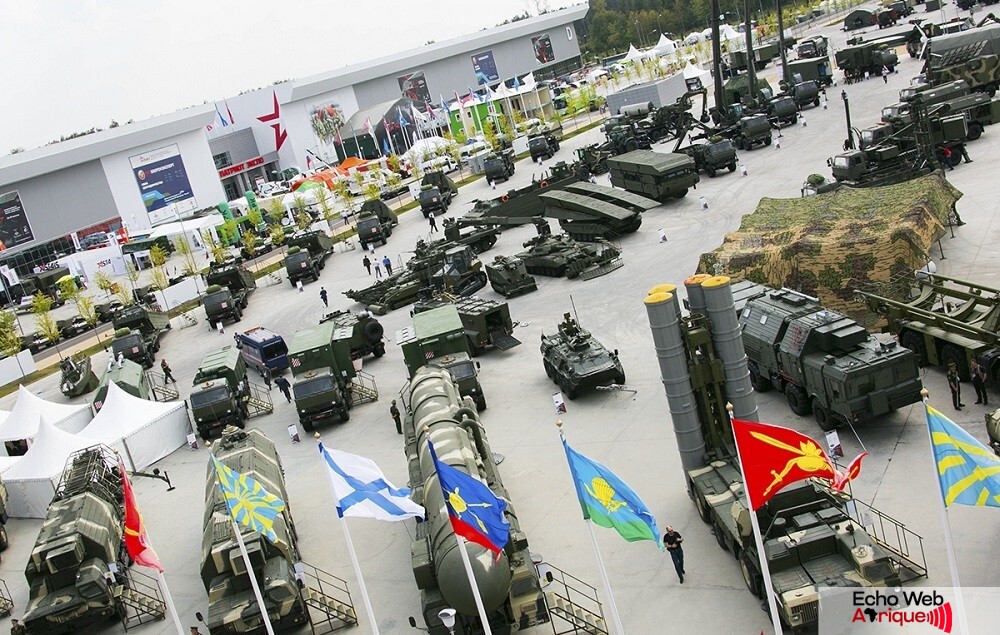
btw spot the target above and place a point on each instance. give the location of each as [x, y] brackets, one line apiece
[157, 256]
[372, 191]
[276, 209]
[10, 342]
[303, 220]
[104, 282]
[343, 190]
[323, 201]
[159, 279]
[190, 266]
[256, 218]
[393, 163]
[85, 309]
[45, 324]
[131, 273]
[277, 235]
[229, 232]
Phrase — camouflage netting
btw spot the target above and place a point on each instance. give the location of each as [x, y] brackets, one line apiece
[829, 244]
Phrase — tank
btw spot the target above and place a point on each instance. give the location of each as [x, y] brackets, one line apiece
[824, 362]
[77, 376]
[509, 586]
[509, 277]
[232, 607]
[366, 332]
[559, 255]
[576, 361]
[69, 579]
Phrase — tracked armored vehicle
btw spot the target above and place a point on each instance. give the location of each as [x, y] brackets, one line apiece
[824, 362]
[559, 255]
[509, 585]
[509, 277]
[576, 361]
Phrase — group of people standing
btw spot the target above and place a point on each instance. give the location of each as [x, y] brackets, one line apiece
[979, 377]
[386, 262]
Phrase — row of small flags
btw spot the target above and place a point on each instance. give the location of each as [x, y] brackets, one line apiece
[222, 119]
[968, 472]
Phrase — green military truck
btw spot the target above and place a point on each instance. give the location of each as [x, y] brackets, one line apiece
[712, 157]
[487, 322]
[366, 332]
[322, 369]
[437, 338]
[436, 191]
[752, 130]
[869, 58]
[824, 362]
[228, 292]
[306, 255]
[812, 47]
[762, 56]
[128, 376]
[656, 175]
[782, 111]
[499, 165]
[816, 69]
[542, 146]
[375, 223]
[980, 72]
[137, 334]
[220, 394]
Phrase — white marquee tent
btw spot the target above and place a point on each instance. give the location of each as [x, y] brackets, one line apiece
[143, 431]
[23, 420]
[633, 54]
[32, 480]
[665, 46]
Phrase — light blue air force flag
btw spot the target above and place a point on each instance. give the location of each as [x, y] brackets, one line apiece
[361, 489]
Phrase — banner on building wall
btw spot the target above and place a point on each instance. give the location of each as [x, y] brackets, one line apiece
[414, 86]
[326, 120]
[163, 182]
[485, 67]
[14, 227]
[543, 49]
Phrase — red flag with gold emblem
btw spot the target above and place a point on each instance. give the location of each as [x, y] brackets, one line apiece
[774, 457]
[136, 539]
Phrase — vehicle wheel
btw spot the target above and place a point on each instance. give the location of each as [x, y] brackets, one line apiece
[732, 166]
[620, 379]
[379, 350]
[682, 193]
[291, 282]
[704, 511]
[315, 274]
[567, 388]
[480, 403]
[239, 316]
[3, 539]
[720, 537]
[710, 171]
[767, 141]
[915, 342]
[631, 145]
[149, 360]
[797, 400]
[384, 241]
[373, 331]
[750, 577]
[156, 347]
[307, 425]
[975, 131]
[952, 354]
[758, 381]
[816, 102]
[825, 420]
[991, 90]
[345, 415]
[548, 368]
[795, 119]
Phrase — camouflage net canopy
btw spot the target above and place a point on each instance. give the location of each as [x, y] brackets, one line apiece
[827, 245]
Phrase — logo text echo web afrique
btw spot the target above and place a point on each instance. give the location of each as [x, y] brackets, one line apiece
[902, 608]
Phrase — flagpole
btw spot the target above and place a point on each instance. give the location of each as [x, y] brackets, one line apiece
[250, 574]
[604, 579]
[475, 587]
[357, 572]
[169, 600]
[949, 545]
[357, 144]
[759, 541]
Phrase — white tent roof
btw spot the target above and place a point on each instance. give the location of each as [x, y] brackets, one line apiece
[194, 224]
[430, 144]
[6, 462]
[693, 71]
[727, 32]
[633, 54]
[665, 46]
[47, 456]
[23, 420]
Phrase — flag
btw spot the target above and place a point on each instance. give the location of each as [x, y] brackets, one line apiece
[417, 115]
[517, 82]
[472, 95]
[248, 502]
[385, 146]
[136, 539]
[361, 489]
[969, 472]
[221, 118]
[843, 477]
[608, 501]
[367, 128]
[402, 120]
[309, 161]
[476, 513]
[529, 79]
[774, 457]
[229, 112]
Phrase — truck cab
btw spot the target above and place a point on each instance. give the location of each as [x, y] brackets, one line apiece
[220, 392]
[542, 146]
[375, 223]
[322, 369]
[263, 348]
[229, 288]
[130, 344]
[499, 166]
[127, 375]
[306, 255]
[433, 200]
[753, 130]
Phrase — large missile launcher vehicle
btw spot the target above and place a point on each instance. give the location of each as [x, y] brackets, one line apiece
[509, 586]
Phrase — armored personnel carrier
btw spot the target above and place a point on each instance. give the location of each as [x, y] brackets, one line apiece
[824, 362]
[575, 361]
[77, 376]
[559, 255]
[508, 585]
[366, 332]
[509, 277]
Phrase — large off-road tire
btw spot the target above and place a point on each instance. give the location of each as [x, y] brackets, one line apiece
[710, 171]
[758, 381]
[797, 400]
[975, 131]
[824, 417]
[567, 388]
[373, 331]
[750, 576]
[379, 350]
[480, 403]
[344, 415]
[732, 166]
[704, 511]
[307, 425]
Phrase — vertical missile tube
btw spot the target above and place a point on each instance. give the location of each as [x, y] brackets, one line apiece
[663, 310]
[728, 340]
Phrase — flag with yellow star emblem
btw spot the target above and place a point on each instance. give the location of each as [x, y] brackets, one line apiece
[969, 472]
[248, 502]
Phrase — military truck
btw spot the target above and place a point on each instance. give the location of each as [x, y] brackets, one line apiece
[656, 175]
[899, 158]
[366, 332]
[824, 362]
[322, 370]
[487, 322]
[869, 58]
[805, 93]
[980, 72]
[509, 277]
[815, 46]
[137, 334]
[444, 184]
[508, 584]
[816, 69]
[71, 327]
[627, 138]
[128, 376]
[433, 200]
[752, 130]
[232, 607]
[306, 255]
[782, 111]
[75, 569]
[576, 361]
[375, 223]
[44, 282]
[499, 166]
[541, 147]
[220, 393]
[712, 157]
[437, 338]
[762, 56]
[228, 292]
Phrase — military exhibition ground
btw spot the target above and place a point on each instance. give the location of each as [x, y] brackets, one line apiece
[629, 432]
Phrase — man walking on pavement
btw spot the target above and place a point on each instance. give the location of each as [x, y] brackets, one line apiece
[283, 386]
[387, 263]
[323, 296]
[167, 375]
[433, 223]
[979, 383]
[672, 541]
[265, 373]
[378, 267]
[368, 264]
[955, 386]
[394, 411]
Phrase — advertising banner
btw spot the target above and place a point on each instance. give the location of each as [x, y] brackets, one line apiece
[326, 120]
[414, 86]
[14, 227]
[543, 49]
[163, 182]
[485, 68]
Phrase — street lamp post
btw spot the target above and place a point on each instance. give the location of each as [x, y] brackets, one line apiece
[849, 145]
[638, 33]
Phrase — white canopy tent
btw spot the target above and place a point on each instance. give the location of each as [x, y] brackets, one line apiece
[691, 71]
[32, 481]
[23, 420]
[665, 46]
[142, 431]
[633, 54]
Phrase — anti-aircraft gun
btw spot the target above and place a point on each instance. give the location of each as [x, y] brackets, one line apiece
[509, 277]
[509, 586]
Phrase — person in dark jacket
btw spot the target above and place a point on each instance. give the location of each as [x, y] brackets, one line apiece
[283, 386]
